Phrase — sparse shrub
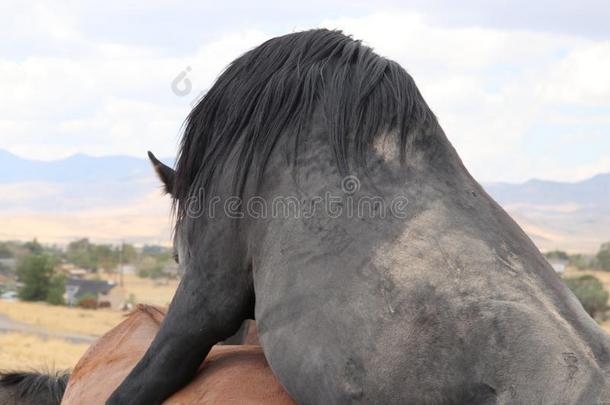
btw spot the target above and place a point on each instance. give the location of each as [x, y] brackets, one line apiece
[590, 291]
[603, 257]
[88, 302]
[581, 262]
[149, 267]
[5, 251]
[557, 254]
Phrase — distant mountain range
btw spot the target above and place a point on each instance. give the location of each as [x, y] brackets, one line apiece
[84, 196]
[560, 215]
[592, 193]
[76, 168]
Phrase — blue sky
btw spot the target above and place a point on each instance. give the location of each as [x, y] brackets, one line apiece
[521, 88]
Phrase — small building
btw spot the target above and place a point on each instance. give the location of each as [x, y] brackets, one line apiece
[8, 283]
[73, 271]
[4, 280]
[10, 296]
[559, 265]
[77, 273]
[78, 288]
[126, 269]
[8, 263]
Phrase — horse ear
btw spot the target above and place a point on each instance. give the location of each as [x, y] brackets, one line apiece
[165, 173]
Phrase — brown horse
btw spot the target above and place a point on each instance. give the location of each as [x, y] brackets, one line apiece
[230, 374]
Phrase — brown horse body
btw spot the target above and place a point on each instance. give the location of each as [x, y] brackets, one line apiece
[230, 374]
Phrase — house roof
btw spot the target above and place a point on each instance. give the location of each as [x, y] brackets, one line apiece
[8, 262]
[89, 287]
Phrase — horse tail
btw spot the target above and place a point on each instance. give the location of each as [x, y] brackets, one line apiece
[31, 388]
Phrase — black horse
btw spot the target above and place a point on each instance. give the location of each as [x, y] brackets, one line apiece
[386, 276]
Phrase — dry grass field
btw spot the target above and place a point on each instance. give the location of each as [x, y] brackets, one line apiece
[603, 276]
[59, 319]
[84, 321]
[148, 291]
[29, 352]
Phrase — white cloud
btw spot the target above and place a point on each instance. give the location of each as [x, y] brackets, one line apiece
[111, 99]
[39, 19]
[580, 77]
[492, 89]
[581, 172]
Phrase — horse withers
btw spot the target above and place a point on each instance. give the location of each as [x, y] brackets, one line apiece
[316, 192]
[231, 374]
[234, 373]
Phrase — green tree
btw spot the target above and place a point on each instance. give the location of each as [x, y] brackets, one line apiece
[603, 256]
[80, 253]
[106, 257]
[130, 254]
[35, 271]
[5, 251]
[57, 287]
[89, 255]
[150, 267]
[34, 247]
[557, 254]
[580, 261]
[590, 291]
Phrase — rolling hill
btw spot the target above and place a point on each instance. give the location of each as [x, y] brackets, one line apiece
[118, 197]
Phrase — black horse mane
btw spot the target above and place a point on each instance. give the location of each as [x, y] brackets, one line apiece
[32, 387]
[273, 89]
